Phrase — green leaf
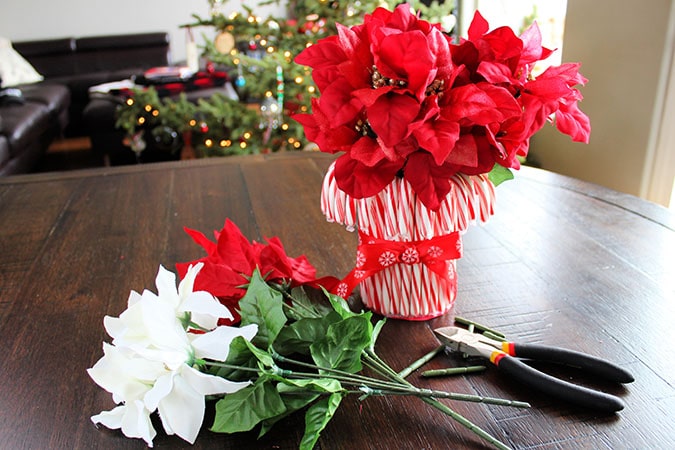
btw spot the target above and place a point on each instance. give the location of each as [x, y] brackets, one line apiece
[262, 305]
[499, 174]
[244, 409]
[376, 333]
[293, 403]
[306, 385]
[297, 394]
[339, 305]
[343, 344]
[297, 337]
[306, 307]
[317, 417]
[261, 355]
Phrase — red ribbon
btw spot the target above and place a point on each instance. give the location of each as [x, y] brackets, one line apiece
[374, 255]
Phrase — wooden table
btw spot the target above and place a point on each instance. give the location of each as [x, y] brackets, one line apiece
[562, 262]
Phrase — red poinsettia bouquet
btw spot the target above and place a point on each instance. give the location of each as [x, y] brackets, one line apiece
[399, 98]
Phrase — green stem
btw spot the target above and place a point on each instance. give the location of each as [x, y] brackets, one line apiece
[296, 305]
[396, 385]
[478, 326]
[227, 366]
[478, 431]
[452, 371]
[420, 362]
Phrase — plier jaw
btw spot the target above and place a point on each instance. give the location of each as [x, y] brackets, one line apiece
[464, 341]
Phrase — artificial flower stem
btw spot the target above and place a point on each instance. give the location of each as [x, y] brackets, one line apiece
[420, 362]
[431, 393]
[482, 328]
[452, 371]
[381, 387]
[396, 387]
[496, 337]
[340, 375]
[450, 395]
[225, 365]
[296, 306]
[478, 431]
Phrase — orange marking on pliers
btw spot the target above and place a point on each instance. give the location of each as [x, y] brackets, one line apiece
[509, 348]
[496, 356]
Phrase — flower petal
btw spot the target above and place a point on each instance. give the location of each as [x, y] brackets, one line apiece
[206, 384]
[390, 116]
[361, 181]
[132, 418]
[215, 345]
[205, 309]
[166, 286]
[124, 377]
[181, 409]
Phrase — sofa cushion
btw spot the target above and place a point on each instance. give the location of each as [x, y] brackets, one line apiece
[54, 96]
[24, 124]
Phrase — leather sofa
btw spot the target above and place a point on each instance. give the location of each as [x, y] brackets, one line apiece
[29, 124]
[70, 66]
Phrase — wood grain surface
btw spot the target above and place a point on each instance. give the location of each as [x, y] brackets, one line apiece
[562, 262]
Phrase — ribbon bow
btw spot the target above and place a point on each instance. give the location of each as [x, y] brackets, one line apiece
[374, 255]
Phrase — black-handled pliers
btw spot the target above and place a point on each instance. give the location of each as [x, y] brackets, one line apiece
[504, 355]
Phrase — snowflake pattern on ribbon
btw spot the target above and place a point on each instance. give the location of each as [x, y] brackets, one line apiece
[360, 259]
[410, 256]
[342, 290]
[435, 251]
[386, 259]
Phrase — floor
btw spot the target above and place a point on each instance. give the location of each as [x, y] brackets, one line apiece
[70, 154]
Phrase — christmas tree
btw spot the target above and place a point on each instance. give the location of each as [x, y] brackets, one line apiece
[258, 55]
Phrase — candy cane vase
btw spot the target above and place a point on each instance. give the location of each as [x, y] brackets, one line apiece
[406, 256]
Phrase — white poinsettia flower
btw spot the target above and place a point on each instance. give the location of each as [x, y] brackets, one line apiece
[150, 318]
[150, 327]
[125, 375]
[179, 396]
[150, 365]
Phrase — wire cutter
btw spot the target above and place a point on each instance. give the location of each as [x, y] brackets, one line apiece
[504, 355]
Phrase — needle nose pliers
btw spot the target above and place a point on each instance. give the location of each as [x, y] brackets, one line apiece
[505, 355]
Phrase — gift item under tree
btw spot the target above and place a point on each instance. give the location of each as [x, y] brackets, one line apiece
[426, 128]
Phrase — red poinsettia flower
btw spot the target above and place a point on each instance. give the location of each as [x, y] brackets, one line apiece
[232, 258]
[399, 99]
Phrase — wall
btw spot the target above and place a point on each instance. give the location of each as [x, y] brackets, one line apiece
[22, 20]
[625, 50]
